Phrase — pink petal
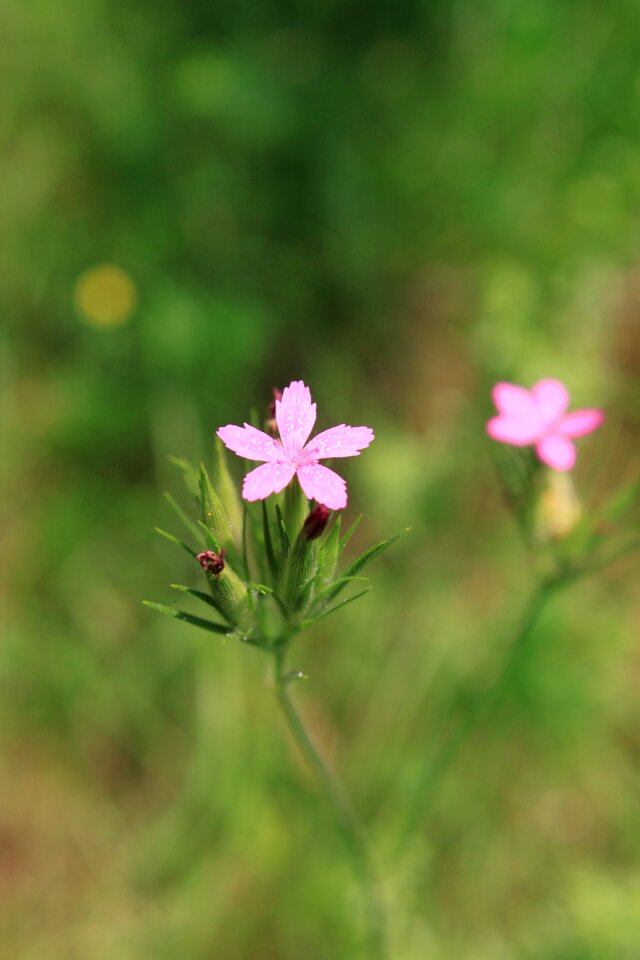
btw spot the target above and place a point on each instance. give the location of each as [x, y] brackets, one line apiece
[509, 430]
[250, 443]
[266, 479]
[513, 401]
[551, 398]
[295, 416]
[580, 422]
[339, 441]
[557, 452]
[519, 421]
[321, 484]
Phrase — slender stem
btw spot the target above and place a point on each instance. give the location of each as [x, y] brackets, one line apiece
[345, 817]
[434, 772]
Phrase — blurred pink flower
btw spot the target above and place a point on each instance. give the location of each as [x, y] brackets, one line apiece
[291, 455]
[538, 416]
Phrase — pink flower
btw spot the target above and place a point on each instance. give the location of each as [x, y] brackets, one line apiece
[538, 416]
[291, 455]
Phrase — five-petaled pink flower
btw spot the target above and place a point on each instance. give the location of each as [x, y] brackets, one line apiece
[538, 416]
[291, 455]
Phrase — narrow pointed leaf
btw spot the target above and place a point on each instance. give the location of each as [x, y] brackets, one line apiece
[195, 593]
[328, 592]
[189, 618]
[350, 532]
[261, 588]
[188, 523]
[170, 536]
[366, 558]
[343, 603]
[189, 473]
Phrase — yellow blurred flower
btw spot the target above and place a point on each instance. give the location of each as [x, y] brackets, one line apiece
[105, 295]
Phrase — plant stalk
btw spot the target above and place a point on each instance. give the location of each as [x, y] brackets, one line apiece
[434, 772]
[346, 820]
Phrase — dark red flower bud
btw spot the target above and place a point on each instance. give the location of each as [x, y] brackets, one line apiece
[272, 425]
[211, 561]
[316, 522]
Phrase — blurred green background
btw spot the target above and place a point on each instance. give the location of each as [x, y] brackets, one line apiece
[398, 203]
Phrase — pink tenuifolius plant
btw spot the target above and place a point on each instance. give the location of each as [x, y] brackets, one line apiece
[539, 417]
[291, 455]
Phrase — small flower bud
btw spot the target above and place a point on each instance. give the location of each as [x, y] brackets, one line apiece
[315, 524]
[212, 562]
[272, 424]
[558, 510]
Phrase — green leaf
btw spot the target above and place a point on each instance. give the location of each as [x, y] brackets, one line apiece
[350, 532]
[179, 512]
[366, 558]
[261, 588]
[190, 475]
[343, 603]
[340, 582]
[195, 593]
[188, 618]
[169, 536]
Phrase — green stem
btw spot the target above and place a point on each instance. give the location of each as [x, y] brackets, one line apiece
[434, 772]
[345, 817]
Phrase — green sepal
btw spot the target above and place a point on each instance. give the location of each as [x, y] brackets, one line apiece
[285, 543]
[214, 515]
[329, 550]
[301, 566]
[230, 595]
[228, 492]
[268, 542]
[296, 509]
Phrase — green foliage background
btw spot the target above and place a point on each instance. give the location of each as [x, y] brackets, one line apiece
[398, 203]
